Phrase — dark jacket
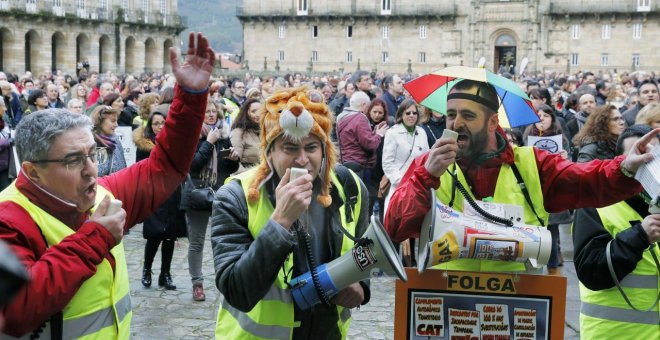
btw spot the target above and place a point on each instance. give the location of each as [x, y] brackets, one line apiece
[338, 104]
[630, 114]
[434, 129]
[57, 105]
[392, 105]
[591, 238]
[5, 149]
[596, 150]
[167, 221]
[115, 160]
[14, 111]
[203, 155]
[246, 267]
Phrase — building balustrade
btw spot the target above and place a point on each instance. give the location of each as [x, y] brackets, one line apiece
[600, 6]
[399, 8]
[71, 10]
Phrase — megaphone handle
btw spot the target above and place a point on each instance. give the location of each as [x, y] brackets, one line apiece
[311, 263]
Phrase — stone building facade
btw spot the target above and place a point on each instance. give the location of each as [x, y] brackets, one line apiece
[124, 36]
[422, 35]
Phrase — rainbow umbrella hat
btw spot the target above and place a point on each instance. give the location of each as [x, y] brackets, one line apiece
[431, 90]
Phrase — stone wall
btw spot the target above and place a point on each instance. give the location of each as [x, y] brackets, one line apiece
[457, 32]
[113, 39]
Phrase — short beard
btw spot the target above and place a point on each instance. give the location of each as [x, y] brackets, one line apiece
[478, 143]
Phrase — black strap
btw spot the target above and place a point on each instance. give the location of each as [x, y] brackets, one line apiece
[523, 187]
[57, 326]
[350, 190]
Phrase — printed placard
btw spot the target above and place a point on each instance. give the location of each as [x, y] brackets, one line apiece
[479, 306]
[429, 315]
[125, 136]
[552, 144]
[494, 320]
[524, 324]
[463, 324]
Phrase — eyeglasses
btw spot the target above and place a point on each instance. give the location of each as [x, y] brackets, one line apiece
[212, 112]
[411, 113]
[78, 162]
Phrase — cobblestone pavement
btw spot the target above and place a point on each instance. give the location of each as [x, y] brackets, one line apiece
[163, 314]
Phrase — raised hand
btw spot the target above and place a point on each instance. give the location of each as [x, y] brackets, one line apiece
[291, 198]
[195, 72]
[640, 153]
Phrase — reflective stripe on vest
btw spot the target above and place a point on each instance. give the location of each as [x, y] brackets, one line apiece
[605, 314]
[101, 308]
[273, 316]
[507, 191]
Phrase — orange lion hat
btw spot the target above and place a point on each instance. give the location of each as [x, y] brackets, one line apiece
[295, 113]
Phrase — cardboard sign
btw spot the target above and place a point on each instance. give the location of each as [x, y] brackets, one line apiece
[125, 136]
[442, 304]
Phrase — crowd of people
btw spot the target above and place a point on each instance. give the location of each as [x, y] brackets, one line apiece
[369, 125]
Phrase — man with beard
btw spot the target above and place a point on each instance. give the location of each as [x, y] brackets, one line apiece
[485, 165]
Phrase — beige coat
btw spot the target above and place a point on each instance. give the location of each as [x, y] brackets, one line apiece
[248, 146]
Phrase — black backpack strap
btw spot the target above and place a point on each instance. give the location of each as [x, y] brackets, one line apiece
[523, 187]
[350, 190]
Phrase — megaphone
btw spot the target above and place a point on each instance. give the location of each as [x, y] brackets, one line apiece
[448, 235]
[377, 258]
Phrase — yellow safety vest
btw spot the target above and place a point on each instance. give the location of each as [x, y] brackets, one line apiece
[605, 314]
[101, 309]
[233, 109]
[273, 316]
[507, 191]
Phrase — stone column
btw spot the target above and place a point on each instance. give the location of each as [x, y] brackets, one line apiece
[93, 52]
[139, 57]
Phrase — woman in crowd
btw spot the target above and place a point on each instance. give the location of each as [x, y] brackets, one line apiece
[514, 137]
[148, 101]
[403, 143]
[36, 101]
[649, 115]
[377, 114]
[597, 138]
[210, 167]
[245, 134]
[549, 126]
[167, 222]
[5, 147]
[104, 120]
[79, 91]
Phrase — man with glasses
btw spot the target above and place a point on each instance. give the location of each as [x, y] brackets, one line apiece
[56, 215]
[237, 98]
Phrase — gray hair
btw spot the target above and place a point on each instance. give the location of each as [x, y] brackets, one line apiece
[74, 101]
[357, 99]
[36, 133]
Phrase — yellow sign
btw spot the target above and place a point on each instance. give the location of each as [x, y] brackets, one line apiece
[481, 282]
[444, 249]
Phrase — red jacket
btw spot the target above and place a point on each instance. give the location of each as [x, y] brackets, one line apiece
[357, 142]
[57, 272]
[93, 97]
[565, 185]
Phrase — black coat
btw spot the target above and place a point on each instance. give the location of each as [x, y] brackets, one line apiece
[167, 221]
[203, 155]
